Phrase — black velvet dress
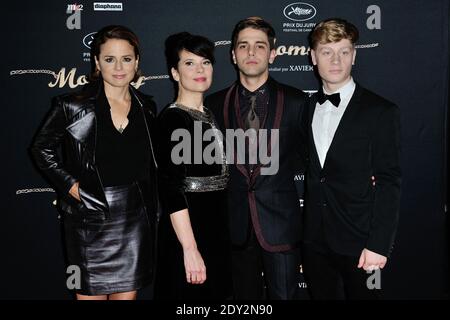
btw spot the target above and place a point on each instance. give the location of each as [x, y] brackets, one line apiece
[200, 187]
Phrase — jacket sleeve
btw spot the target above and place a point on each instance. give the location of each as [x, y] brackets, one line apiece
[171, 173]
[44, 148]
[386, 166]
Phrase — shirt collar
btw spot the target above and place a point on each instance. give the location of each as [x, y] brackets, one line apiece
[345, 91]
[262, 90]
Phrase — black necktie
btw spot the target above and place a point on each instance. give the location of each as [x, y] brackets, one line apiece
[334, 98]
[252, 120]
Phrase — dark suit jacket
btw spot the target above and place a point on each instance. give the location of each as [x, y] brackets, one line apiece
[343, 208]
[269, 202]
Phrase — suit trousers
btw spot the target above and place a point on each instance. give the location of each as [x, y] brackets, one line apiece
[259, 274]
[332, 276]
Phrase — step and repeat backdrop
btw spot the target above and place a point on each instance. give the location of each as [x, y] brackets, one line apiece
[402, 55]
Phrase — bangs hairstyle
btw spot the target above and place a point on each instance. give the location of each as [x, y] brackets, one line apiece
[257, 23]
[333, 30]
[113, 32]
[195, 44]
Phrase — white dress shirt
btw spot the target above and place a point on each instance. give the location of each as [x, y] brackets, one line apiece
[327, 117]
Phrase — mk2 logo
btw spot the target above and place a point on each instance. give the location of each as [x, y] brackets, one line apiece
[74, 20]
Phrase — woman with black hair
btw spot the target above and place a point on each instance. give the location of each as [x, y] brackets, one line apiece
[194, 246]
[107, 179]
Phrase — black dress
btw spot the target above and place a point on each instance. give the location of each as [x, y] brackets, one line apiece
[115, 254]
[200, 187]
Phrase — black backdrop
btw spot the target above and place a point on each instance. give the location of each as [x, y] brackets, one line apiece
[403, 55]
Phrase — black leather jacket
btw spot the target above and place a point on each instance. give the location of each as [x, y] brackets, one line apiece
[71, 124]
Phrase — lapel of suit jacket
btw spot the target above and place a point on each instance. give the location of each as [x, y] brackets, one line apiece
[313, 152]
[231, 122]
[345, 123]
[275, 110]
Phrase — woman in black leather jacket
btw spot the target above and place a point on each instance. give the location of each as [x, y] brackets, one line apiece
[106, 180]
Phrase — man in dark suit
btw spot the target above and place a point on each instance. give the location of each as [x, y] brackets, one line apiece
[264, 210]
[353, 177]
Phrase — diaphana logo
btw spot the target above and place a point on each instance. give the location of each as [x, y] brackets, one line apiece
[299, 11]
[108, 6]
[242, 147]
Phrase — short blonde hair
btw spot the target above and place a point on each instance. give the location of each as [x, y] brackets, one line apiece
[333, 30]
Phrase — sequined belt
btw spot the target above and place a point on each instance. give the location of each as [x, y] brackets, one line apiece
[205, 184]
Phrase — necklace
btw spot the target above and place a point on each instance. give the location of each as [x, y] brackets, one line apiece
[186, 107]
[204, 115]
[121, 126]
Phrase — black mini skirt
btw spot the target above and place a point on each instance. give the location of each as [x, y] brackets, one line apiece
[114, 254]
